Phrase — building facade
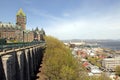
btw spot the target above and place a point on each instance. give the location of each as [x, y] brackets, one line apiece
[21, 19]
[18, 32]
[10, 31]
[111, 63]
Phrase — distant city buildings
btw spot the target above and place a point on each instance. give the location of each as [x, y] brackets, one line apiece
[96, 60]
[18, 32]
[111, 63]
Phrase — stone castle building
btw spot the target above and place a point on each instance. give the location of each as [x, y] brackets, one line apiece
[18, 32]
[21, 19]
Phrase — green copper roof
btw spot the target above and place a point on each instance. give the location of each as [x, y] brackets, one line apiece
[20, 13]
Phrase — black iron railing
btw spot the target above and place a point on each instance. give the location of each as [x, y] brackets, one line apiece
[9, 46]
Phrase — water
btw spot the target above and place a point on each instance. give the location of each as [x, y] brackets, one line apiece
[115, 45]
[111, 44]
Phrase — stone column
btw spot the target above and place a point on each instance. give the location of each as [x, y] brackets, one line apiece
[34, 59]
[20, 57]
[2, 74]
[36, 55]
[31, 63]
[9, 67]
[27, 55]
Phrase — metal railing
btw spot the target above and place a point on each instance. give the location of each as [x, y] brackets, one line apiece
[9, 46]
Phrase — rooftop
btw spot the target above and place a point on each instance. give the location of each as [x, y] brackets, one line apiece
[20, 13]
[9, 26]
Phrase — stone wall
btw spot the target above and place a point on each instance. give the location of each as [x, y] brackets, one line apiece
[20, 64]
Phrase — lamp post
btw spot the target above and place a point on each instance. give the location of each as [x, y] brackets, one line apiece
[27, 36]
[27, 32]
[23, 36]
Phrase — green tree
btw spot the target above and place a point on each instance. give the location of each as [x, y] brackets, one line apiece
[58, 62]
[117, 70]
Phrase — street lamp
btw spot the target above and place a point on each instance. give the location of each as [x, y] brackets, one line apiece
[27, 36]
[27, 32]
[23, 36]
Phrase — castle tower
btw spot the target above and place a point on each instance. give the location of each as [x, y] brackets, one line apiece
[21, 19]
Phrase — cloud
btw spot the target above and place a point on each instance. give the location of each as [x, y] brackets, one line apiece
[88, 22]
[43, 13]
[100, 27]
[66, 14]
[27, 2]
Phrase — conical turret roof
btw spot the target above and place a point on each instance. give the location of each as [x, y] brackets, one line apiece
[20, 12]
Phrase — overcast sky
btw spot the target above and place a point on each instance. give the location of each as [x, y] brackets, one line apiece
[68, 19]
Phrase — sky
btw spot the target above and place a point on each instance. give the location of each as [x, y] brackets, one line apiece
[67, 19]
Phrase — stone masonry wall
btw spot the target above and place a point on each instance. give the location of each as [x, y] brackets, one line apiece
[20, 64]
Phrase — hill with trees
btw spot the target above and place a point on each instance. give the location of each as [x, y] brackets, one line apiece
[59, 64]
